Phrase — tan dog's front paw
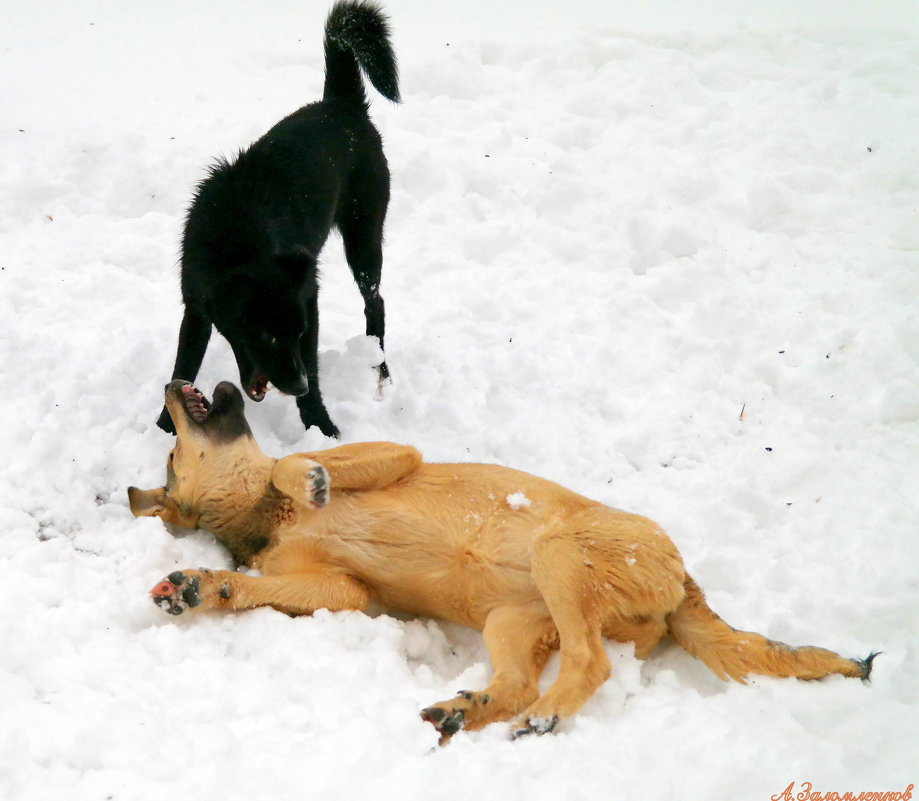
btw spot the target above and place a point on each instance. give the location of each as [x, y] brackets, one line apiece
[190, 589]
[317, 486]
[304, 480]
[466, 711]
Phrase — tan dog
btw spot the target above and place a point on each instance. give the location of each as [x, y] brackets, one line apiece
[532, 565]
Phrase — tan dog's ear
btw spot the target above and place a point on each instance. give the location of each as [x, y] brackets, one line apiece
[147, 503]
[303, 479]
[155, 503]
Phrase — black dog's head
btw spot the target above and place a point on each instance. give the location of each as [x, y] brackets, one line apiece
[262, 310]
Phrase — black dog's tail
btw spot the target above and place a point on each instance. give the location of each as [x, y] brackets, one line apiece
[357, 38]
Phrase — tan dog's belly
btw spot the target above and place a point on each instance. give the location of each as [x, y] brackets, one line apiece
[456, 541]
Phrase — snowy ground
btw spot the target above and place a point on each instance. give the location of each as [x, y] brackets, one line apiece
[608, 236]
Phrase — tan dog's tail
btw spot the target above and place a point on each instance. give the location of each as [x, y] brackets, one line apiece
[734, 654]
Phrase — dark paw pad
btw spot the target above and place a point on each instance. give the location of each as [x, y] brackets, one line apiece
[318, 479]
[176, 593]
[447, 725]
[535, 726]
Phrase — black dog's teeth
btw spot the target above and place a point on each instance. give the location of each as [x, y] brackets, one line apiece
[258, 388]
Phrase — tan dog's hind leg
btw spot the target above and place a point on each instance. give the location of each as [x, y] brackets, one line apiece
[599, 571]
[298, 593]
[560, 573]
[519, 640]
[646, 633]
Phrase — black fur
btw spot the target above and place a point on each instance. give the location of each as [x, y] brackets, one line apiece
[256, 225]
[866, 664]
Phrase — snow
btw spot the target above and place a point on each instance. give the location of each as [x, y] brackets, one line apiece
[611, 230]
[517, 500]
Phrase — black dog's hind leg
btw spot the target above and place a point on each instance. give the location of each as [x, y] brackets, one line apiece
[312, 409]
[363, 240]
[194, 334]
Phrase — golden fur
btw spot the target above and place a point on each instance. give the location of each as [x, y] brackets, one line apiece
[531, 564]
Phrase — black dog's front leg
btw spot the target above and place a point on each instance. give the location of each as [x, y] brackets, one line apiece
[312, 409]
[314, 413]
[362, 234]
[194, 334]
[376, 320]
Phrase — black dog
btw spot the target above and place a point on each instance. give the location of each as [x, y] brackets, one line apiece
[255, 227]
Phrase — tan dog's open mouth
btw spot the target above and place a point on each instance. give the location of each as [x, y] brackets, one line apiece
[196, 404]
[221, 415]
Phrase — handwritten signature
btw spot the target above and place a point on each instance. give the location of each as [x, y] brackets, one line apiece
[808, 793]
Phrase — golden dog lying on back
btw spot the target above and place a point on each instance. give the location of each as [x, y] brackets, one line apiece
[532, 565]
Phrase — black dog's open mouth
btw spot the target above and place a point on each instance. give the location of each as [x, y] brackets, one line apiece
[196, 404]
[258, 387]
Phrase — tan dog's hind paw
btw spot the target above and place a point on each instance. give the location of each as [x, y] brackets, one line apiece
[191, 589]
[533, 725]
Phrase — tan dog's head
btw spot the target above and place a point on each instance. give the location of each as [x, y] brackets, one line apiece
[215, 457]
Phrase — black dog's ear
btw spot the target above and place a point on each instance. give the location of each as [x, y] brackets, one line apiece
[296, 258]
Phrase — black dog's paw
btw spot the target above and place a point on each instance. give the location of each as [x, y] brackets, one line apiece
[314, 413]
[326, 426]
[383, 381]
[165, 422]
[329, 429]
